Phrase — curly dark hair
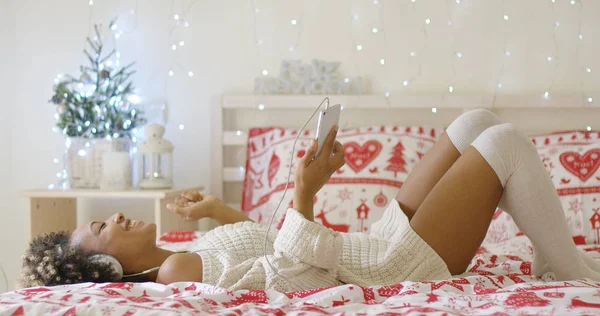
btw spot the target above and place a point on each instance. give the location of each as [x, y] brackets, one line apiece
[50, 260]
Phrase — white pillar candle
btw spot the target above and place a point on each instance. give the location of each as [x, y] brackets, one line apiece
[116, 171]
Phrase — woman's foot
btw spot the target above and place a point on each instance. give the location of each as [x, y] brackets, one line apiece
[542, 269]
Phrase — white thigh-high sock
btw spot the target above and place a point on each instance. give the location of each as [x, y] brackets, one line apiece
[465, 128]
[462, 132]
[531, 199]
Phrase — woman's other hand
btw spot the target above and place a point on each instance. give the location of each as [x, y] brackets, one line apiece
[192, 206]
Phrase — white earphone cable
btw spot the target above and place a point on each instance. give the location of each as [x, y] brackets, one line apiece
[141, 273]
[285, 191]
[5, 279]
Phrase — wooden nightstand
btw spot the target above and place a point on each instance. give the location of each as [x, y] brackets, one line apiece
[52, 210]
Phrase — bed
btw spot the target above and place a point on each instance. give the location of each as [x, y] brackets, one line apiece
[386, 137]
[498, 283]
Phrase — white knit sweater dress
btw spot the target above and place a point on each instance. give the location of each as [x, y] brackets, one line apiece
[309, 255]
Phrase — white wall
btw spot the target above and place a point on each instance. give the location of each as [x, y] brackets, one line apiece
[221, 50]
[9, 215]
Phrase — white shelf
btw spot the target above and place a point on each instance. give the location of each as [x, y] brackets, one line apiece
[97, 193]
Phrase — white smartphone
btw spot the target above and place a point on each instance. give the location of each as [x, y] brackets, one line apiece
[327, 119]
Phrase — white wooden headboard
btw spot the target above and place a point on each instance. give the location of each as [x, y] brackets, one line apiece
[232, 116]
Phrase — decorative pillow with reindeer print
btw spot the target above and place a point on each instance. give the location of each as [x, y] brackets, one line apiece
[378, 160]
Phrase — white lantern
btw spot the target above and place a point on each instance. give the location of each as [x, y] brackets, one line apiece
[155, 159]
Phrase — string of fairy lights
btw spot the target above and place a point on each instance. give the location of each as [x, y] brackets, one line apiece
[355, 45]
[377, 29]
[414, 52]
[553, 59]
[178, 17]
[583, 69]
[295, 22]
[455, 53]
[505, 55]
[298, 28]
[383, 32]
[178, 20]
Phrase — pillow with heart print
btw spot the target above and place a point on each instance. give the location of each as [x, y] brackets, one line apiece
[573, 161]
[378, 160]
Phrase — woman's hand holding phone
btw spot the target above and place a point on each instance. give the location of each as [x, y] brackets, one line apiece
[313, 172]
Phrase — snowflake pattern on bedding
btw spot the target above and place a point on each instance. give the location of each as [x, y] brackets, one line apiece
[498, 282]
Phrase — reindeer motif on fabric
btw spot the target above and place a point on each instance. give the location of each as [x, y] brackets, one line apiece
[337, 227]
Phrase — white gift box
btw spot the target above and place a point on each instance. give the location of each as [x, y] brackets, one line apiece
[316, 77]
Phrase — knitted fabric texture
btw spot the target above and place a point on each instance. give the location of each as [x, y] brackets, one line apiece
[309, 255]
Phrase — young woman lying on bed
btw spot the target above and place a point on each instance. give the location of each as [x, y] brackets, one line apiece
[431, 231]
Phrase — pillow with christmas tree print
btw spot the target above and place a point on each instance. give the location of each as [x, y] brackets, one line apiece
[378, 160]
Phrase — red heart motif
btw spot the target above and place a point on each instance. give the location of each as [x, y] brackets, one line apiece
[358, 157]
[583, 167]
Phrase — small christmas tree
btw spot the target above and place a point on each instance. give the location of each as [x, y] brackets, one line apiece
[97, 104]
[397, 161]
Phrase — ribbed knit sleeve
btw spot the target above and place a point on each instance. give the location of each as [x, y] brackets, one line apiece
[308, 242]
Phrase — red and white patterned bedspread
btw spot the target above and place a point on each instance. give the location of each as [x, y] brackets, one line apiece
[495, 284]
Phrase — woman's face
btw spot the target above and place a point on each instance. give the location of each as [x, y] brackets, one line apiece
[122, 238]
